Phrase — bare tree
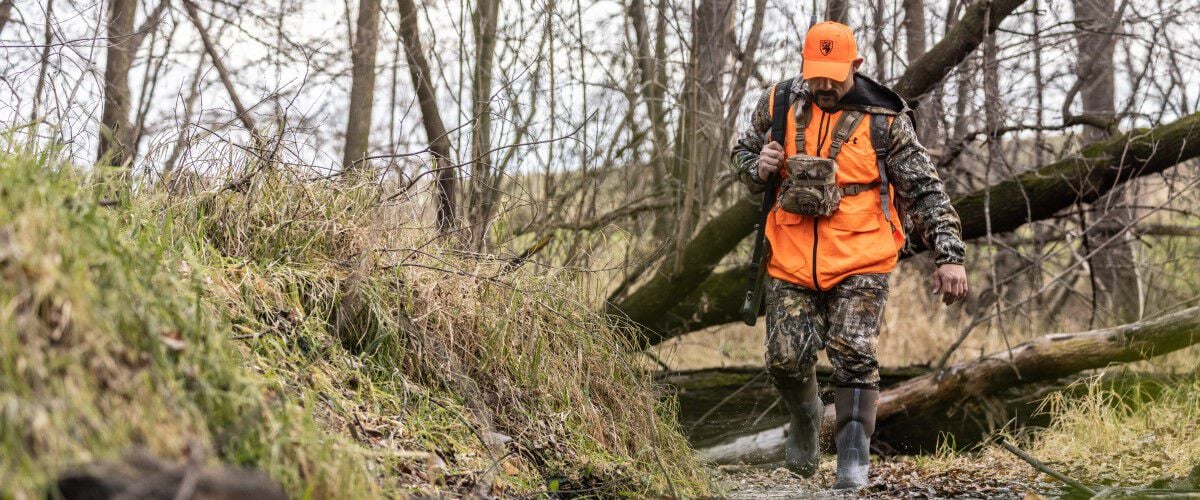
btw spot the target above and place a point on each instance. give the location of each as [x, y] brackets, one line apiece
[702, 132]
[837, 10]
[1116, 285]
[651, 72]
[44, 64]
[927, 107]
[435, 129]
[5, 13]
[484, 188]
[116, 131]
[362, 84]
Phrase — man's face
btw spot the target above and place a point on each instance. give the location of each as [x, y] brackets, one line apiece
[828, 91]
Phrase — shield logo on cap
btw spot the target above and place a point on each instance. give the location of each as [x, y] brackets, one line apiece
[826, 47]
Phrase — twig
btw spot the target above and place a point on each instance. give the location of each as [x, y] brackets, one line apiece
[1037, 464]
[657, 360]
[516, 262]
[223, 72]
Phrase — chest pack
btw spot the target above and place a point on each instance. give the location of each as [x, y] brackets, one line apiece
[811, 187]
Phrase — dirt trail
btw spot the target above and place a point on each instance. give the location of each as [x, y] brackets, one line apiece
[890, 478]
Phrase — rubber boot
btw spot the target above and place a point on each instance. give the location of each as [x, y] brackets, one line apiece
[802, 451]
[855, 424]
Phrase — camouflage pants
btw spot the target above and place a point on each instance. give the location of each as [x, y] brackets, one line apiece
[843, 320]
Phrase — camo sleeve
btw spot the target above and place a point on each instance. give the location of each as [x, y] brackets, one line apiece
[745, 151]
[917, 184]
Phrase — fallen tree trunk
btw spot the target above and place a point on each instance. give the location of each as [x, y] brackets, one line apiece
[928, 400]
[716, 404]
[715, 298]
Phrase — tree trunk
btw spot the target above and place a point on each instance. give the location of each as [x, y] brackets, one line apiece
[5, 13]
[484, 23]
[362, 85]
[431, 118]
[929, 399]
[926, 108]
[43, 63]
[1118, 289]
[837, 10]
[671, 305]
[652, 89]
[115, 129]
[702, 134]
[877, 23]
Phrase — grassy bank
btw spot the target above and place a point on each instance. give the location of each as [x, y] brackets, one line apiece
[1117, 431]
[1128, 436]
[304, 328]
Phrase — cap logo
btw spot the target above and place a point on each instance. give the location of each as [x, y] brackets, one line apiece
[826, 47]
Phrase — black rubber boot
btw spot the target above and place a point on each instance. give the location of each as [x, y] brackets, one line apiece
[855, 424]
[802, 451]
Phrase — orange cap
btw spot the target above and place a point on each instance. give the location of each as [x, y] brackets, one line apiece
[829, 48]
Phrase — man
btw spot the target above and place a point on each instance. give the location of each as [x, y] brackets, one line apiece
[830, 271]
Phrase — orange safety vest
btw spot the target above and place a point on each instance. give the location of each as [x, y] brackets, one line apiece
[819, 252]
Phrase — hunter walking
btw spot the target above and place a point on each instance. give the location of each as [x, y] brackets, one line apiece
[843, 152]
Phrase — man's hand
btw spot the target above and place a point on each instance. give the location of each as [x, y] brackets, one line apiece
[950, 280]
[769, 160]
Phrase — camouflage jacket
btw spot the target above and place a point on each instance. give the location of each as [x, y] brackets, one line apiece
[909, 168]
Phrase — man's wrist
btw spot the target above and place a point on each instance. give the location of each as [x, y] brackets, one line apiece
[751, 170]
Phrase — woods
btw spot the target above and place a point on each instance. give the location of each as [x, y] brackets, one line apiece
[548, 169]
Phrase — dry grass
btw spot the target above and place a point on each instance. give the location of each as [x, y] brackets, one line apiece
[306, 329]
[1125, 437]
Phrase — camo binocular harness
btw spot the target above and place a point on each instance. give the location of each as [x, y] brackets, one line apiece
[811, 186]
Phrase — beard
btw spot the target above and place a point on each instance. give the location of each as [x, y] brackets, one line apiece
[826, 99]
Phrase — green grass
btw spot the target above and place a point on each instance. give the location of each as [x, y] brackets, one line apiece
[303, 328]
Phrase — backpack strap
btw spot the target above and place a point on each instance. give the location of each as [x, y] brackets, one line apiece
[881, 140]
[781, 101]
[845, 126]
[803, 115]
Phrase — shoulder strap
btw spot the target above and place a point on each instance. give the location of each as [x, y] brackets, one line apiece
[782, 101]
[803, 115]
[881, 141]
[842, 130]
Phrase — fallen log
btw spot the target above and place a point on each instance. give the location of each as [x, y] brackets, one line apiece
[922, 403]
[140, 475]
[716, 404]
